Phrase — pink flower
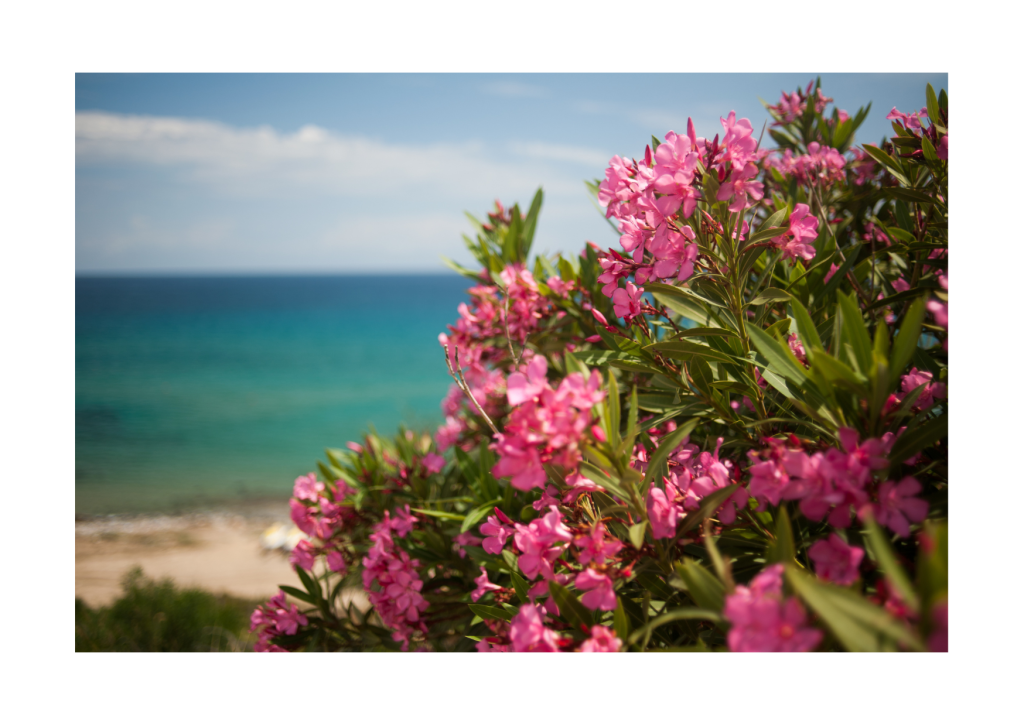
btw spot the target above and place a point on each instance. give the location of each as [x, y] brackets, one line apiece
[833, 269]
[662, 512]
[897, 506]
[675, 252]
[496, 533]
[303, 556]
[466, 539]
[529, 634]
[803, 229]
[402, 521]
[797, 347]
[578, 484]
[836, 561]
[597, 547]
[335, 562]
[560, 287]
[433, 463]
[742, 191]
[524, 388]
[627, 301]
[601, 595]
[602, 640]
[483, 585]
[307, 487]
[763, 621]
[928, 394]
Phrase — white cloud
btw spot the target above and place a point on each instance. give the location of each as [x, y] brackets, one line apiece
[262, 161]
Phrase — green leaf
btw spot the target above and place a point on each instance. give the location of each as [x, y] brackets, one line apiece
[465, 272]
[298, 594]
[776, 219]
[929, 149]
[782, 549]
[569, 606]
[614, 413]
[908, 195]
[855, 622]
[705, 589]
[779, 356]
[636, 534]
[573, 365]
[886, 559]
[933, 105]
[919, 438]
[906, 339]
[602, 357]
[838, 373]
[805, 329]
[530, 224]
[765, 232]
[522, 588]
[672, 616]
[441, 515]
[855, 332]
[490, 612]
[701, 331]
[887, 161]
[770, 294]
[686, 349]
[620, 621]
[311, 585]
[682, 306]
[478, 513]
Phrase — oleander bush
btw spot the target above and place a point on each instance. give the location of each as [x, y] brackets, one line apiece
[728, 434]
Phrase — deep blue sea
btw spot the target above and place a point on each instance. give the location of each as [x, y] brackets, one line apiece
[194, 392]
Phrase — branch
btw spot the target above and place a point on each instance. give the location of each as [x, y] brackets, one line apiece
[460, 380]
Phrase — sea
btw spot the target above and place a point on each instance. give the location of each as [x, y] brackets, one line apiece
[197, 393]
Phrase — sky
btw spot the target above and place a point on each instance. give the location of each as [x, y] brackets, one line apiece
[350, 173]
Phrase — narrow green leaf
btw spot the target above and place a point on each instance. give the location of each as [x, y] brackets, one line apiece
[441, 515]
[887, 161]
[782, 549]
[855, 622]
[620, 621]
[478, 513]
[855, 332]
[932, 104]
[838, 373]
[906, 339]
[908, 195]
[490, 612]
[805, 328]
[918, 438]
[765, 232]
[771, 294]
[522, 588]
[708, 506]
[569, 606]
[779, 356]
[704, 332]
[298, 594]
[705, 589]
[636, 534]
[530, 224]
[614, 413]
[886, 559]
[687, 349]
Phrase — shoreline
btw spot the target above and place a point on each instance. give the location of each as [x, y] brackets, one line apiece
[217, 550]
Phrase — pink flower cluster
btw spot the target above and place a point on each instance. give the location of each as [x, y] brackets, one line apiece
[692, 475]
[272, 619]
[763, 621]
[546, 425]
[397, 598]
[930, 392]
[834, 481]
[316, 509]
[836, 561]
[792, 106]
[799, 238]
[820, 164]
[650, 198]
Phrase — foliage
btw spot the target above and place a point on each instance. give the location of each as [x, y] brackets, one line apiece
[157, 616]
[729, 435]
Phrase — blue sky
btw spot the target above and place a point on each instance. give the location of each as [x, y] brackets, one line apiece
[211, 173]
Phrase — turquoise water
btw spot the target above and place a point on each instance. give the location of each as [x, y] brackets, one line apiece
[203, 391]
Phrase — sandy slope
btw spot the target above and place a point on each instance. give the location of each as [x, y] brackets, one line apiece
[219, 553]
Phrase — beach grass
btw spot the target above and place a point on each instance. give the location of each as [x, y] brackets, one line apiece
[158, 616]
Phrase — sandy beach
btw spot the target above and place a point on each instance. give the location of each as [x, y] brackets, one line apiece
[216, 551]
